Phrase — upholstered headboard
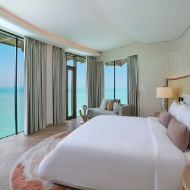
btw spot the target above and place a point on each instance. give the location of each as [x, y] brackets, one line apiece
[181, 88]
[186, 98]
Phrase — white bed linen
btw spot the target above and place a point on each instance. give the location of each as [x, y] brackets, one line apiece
[116, 153]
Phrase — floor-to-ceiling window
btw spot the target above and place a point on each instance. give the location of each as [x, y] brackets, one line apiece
[109, 81]
[115, 73]
[11, 84]
[76, 84]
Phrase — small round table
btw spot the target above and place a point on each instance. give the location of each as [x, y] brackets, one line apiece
[84, 116]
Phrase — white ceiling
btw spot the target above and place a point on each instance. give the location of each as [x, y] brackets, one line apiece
[92, 26]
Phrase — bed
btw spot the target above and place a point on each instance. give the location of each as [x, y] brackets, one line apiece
[123, 153]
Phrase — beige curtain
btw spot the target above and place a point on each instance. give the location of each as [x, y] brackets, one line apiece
[59, 85]
[91, 81]
[100, 83]
[34, 85]
[133, 82]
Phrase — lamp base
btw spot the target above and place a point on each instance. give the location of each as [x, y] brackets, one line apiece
[164, 104]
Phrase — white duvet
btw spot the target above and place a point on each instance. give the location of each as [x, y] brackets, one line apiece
[116, 153]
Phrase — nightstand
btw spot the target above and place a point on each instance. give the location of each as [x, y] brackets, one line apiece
[155, 114]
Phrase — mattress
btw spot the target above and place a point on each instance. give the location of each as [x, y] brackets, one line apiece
[116, 153]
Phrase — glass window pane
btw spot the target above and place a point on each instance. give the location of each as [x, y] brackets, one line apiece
[81, 85]
[20, 86]
[7, 82]
[121, 83]
[70, 93]
[109, 81]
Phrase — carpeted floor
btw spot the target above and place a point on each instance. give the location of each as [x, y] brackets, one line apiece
[24, 174]
[11, 148]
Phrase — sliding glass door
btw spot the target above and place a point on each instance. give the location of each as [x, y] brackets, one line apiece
[76, 84]
[20, 86]
[81, 85]
[71, 93]
[11, 85]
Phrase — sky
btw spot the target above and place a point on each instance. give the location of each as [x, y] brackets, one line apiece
[120, 73]
[7, 70]
[7, 66]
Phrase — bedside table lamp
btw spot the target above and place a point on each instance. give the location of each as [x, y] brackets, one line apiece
[164, 93]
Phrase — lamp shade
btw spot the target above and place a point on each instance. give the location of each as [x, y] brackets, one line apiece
[164, 92]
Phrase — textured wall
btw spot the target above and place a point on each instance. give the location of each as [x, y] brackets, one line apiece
[157, 61]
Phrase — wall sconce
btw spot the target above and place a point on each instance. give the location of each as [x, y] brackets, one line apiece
[180, 99]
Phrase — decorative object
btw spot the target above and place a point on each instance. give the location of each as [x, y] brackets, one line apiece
[85, 115]
[24, 174]
[84, 107]
[162, 67]
[164, 93]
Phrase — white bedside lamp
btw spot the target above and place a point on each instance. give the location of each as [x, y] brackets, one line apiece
[164, 93]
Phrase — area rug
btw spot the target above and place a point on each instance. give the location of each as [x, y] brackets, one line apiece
[24, 174]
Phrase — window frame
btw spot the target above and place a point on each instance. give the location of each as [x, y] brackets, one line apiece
[16, 38]
[114, 77]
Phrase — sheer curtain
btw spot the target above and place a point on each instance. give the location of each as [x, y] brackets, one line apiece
[133, 82]
[35, 85]
[59, 85]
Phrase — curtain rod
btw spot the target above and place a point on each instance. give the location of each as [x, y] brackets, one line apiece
[82, 57]
[11, 34]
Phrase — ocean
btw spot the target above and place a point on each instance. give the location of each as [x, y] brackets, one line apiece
[7, 106]
[7, 110]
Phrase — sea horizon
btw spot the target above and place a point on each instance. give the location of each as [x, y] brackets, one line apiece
[7, 106]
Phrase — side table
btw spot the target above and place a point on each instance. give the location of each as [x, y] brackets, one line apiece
[155, 114]
[84, 116]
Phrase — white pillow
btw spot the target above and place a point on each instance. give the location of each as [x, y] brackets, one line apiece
[182, 103]
[184, 116]
[174, 109]
[116, 107]
[104, 104]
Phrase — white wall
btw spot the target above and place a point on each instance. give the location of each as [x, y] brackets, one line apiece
[49, 98]
[157, 61]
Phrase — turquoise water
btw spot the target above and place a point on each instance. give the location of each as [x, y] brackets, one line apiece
[7, 110]
[120, 93]
[7, 106]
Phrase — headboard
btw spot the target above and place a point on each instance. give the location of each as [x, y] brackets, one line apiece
[186, 98]
[181, 88]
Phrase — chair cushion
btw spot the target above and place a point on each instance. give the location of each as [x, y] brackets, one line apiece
[104, 104]
[110, 105]
[116, 107]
